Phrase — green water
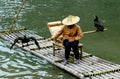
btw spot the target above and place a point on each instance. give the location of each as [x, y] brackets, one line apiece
[18, 64]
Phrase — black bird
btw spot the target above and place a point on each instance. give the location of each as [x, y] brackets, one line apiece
[99, 26]
[25, 39]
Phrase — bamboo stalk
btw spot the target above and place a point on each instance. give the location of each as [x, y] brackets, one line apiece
[92, 31]
[15, 19]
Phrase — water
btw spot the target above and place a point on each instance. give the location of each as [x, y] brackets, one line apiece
[18, 64]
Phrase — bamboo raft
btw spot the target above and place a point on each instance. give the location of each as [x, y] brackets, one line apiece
[90, 67]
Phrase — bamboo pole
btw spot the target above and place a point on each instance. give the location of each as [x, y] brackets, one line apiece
[15, 19]
[92, 31]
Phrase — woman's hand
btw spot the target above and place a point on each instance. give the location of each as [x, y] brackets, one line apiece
[71, 39]
[49, 39]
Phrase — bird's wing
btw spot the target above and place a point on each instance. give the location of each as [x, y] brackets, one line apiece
[32, 38]
[15, 41]
[98, 23]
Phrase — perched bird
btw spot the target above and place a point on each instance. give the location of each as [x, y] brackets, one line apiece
[99, 26]
[25, 39]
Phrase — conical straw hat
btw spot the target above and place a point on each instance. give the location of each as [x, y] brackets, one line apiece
[70, 20]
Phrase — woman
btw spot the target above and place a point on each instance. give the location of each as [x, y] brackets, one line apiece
[71, 33]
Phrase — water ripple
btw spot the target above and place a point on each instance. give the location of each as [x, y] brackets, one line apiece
[15, 63]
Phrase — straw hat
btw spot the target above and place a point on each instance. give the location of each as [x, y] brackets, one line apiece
[70, 20]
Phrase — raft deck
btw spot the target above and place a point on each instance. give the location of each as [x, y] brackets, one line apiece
[90, 67]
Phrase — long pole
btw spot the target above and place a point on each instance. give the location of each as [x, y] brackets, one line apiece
[91, 31]
[15, 19]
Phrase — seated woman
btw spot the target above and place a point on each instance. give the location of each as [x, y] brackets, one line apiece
[71, 33]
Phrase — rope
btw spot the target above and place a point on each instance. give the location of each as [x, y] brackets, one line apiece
[15, 19]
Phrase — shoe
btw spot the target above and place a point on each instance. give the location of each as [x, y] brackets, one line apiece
[77, 61]
[65, 62]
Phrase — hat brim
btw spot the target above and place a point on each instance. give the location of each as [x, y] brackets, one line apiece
[70, 20]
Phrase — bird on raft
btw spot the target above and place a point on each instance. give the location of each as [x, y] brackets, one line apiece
[24, 40]
[99, 26]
